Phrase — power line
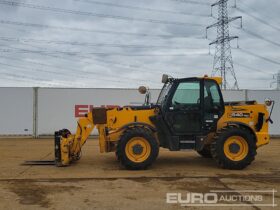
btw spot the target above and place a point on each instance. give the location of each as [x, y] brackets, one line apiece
[101, 53]
[83, 13]
[247, 7]
[108, 32]
[16, 77]
[65, 69]
[60, 42]
[36, 63]
[192, 2]
[261, 37]
[129, 66]
[261, 20]
[75, 70]
[252, 68]
[24, 76]
[32, 69]
[256, 12]
[67, 75]
[141, 8]
[259, 56]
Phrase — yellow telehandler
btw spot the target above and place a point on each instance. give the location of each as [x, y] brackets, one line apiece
[190, 113]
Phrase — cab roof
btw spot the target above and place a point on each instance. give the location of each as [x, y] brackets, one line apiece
[166, 78]
[217, 79]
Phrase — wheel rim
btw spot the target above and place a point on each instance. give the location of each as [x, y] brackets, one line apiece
[138, 149]
[236, 148]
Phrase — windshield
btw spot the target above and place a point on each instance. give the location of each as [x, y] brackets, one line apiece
[163, 93]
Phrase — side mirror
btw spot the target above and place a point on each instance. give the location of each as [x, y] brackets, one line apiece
[142, 90]
[164, 78]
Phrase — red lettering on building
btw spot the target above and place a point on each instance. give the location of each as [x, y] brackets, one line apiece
[81, 110]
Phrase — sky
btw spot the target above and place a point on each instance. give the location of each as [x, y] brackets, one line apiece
[127, 43]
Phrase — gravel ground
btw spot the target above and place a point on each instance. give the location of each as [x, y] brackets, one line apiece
[97, 181]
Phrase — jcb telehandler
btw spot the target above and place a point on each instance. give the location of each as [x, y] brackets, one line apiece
[190, 113]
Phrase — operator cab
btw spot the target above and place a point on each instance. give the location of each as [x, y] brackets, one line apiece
[189, 108]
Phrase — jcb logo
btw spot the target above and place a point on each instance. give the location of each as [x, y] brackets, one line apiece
[81, 110]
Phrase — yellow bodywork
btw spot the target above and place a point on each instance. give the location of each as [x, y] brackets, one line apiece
[262, 136]
[117, 118]
[108, 133]
[120, 119]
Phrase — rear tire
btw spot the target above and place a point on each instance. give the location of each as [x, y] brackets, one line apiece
[137, 148]
[234, 148]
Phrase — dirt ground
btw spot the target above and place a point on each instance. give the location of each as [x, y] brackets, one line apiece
[97, 181]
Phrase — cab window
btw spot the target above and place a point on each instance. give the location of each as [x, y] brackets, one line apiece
[187, 93]
[213, 98]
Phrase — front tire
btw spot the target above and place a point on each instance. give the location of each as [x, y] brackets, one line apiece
[137, 148]
[234, 148]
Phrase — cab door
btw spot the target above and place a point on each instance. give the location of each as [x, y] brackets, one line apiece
[184, 108]
[213, 105]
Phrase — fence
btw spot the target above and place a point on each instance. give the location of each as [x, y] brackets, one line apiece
[41, 111]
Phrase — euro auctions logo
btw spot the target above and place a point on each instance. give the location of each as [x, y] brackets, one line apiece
[224, 198]
[192, 198]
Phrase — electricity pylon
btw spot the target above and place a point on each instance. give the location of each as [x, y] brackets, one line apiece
[223, 64]
[276, 78]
